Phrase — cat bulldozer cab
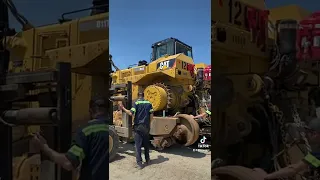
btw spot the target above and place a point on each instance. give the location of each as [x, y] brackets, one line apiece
[168, 47]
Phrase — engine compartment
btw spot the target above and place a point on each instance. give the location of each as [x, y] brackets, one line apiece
[264, 89]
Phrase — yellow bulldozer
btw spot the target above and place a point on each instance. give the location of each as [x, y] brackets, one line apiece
[30, 55]
[265, 80]
[176, 87]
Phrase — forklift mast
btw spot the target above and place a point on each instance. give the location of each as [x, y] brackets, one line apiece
[54, 118]
[4, 27]
[126, 90]
[53, 114]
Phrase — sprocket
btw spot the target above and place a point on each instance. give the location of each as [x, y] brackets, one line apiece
[169, 93]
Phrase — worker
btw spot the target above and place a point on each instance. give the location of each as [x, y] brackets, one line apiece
[89, 151]
[311, 160]
[142, 112]
[204, 114]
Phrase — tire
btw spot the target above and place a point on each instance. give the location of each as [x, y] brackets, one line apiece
[114, 142]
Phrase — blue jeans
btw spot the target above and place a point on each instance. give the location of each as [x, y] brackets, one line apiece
[141, 139]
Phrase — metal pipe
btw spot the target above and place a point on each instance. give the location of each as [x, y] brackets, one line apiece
[118, 98]
[31, 116]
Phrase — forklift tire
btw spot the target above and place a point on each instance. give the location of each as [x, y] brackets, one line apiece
[113, 143]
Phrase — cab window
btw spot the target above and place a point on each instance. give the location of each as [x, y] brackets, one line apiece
[164, 49]
[180, 48]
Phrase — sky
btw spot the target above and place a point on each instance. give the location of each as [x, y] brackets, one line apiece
[42, 12]
[136, 25]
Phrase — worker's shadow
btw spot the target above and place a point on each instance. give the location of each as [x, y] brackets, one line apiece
[129, 149]
[118, 157]
[184, 151]
[160, 159]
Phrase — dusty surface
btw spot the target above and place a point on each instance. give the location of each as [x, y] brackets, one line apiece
[171, 164]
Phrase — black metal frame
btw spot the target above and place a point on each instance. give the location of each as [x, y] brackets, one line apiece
[129, 101]
[81, 10]
[6, 152]
[97, 4]
[62, 129]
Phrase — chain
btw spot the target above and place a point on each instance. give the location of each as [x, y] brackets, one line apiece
[279, 117]
[299, 124]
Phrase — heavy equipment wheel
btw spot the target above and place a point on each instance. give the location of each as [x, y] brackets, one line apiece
[113, 143]
[188, 130]
[236, 173]
[25, 168]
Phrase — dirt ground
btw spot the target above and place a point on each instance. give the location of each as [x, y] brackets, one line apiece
[170, 164]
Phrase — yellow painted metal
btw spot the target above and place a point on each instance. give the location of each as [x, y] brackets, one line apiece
[288, 12]
[177, 81]
[242, 62]
[157, 96]
[201, 65]
[145, 74]
[80, 42]
[26, 168]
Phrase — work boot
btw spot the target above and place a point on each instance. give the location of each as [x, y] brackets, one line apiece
[148, 162]
[139, 165]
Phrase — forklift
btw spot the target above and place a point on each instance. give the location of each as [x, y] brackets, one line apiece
[15, 87]
[55, 120]
[53, 116]
[52, 91]
[125, 132]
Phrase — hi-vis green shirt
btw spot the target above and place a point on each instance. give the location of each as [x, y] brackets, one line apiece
[142, 110]
[208, 112]
[312, 159]
[90, 149]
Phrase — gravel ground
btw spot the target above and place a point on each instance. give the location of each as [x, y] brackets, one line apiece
[171, 164]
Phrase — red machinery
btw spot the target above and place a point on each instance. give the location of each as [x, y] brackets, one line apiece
[207, 73]
[308, 38]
